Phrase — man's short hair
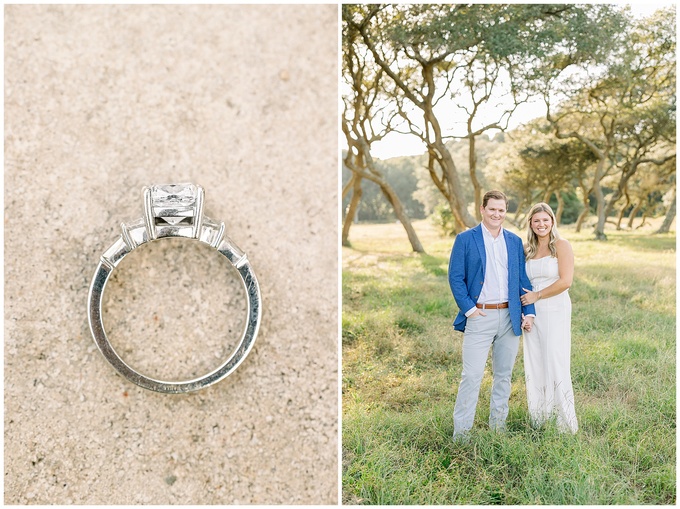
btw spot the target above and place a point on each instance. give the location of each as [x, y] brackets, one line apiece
[494, 195]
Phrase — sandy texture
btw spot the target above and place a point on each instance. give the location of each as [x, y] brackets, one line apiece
[100, 101]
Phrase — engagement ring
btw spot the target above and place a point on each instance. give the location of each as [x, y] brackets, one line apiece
[170, 211]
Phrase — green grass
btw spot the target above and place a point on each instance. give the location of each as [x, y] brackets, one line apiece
[402, 366]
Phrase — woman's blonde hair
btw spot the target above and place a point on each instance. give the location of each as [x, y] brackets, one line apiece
[532, 238]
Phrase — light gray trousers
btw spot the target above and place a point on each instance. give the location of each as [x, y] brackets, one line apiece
[481, 333]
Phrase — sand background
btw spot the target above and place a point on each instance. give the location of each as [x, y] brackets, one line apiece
[100, 101]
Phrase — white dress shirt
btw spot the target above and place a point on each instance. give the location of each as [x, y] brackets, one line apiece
[495, 287]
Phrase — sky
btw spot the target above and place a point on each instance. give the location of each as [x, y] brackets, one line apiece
[394, 144]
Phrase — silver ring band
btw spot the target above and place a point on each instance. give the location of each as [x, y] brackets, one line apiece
[171, 211]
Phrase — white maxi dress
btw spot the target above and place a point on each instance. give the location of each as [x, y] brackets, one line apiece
[547, 352]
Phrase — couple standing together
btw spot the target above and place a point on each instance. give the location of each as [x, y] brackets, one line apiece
[502, 289]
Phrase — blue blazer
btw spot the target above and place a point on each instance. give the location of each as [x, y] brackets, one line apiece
[467, 267]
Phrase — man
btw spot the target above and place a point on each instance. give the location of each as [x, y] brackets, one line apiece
[486, 275]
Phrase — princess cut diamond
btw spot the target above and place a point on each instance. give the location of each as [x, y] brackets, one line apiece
[174, 204]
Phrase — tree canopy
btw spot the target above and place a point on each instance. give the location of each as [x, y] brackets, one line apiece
[457, 72]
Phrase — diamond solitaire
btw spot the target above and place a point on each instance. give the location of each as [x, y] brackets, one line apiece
[171, 211]
[174, 203]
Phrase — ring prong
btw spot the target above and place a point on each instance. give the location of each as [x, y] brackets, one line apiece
[127, 238]
[241, 262]
[220, 236]
[148, 215]
[198, 219]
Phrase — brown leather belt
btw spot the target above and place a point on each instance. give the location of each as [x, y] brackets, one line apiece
[502, 305]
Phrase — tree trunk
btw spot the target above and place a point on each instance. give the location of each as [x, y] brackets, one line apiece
[368, 170]
[586, 209]
[622, 211]
[352, 209]
[581, 218]
[670, 215]
[628, 171]
[472, 159]
[644, 219]
[455, 189]
[434, 138]
[596, 187]
[349, 186]
[403, 218]
[560, 208]
[359, 138]
[634, 212]
[599, 197]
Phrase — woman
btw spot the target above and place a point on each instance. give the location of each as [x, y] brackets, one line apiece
[547, 344]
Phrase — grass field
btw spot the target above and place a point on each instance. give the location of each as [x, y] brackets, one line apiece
[402, 365]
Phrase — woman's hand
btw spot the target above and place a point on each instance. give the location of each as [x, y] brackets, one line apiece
[527, 323]
[529, 297]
